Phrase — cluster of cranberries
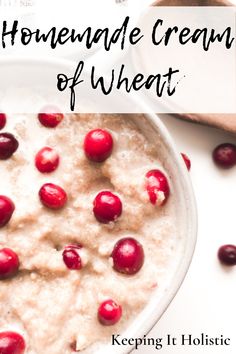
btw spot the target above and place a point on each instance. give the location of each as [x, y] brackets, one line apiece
[224, 156]
[127, 255]
[52, 196]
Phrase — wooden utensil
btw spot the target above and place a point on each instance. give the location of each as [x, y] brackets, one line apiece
[192, 3]
[222, 121]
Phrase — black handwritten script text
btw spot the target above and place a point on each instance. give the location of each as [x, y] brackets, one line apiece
[124, 36]
[161, 83]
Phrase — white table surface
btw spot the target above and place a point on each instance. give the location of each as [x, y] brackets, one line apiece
[206, 300]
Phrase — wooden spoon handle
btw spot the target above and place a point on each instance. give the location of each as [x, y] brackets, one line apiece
[223, 121]
[192, 3]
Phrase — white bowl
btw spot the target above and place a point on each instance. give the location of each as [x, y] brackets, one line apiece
[152, 127]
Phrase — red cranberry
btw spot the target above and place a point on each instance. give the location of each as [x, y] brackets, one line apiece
[107, 207]
[186, 160]
[47, 160]
[73, 346]
[71, 257]
[227, 254]
[11, 343]
[8, 145]
[98, 145]
[52, 196]
[128, 256]
[49, 118]
[7, 208]
[224, 155]
[109, 313]
[3, 120]
[9, 263]
[157, 182]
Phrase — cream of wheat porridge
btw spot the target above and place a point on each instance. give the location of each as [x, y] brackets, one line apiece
[53, 307]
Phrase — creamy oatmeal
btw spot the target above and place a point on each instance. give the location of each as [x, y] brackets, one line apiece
[68, 266]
